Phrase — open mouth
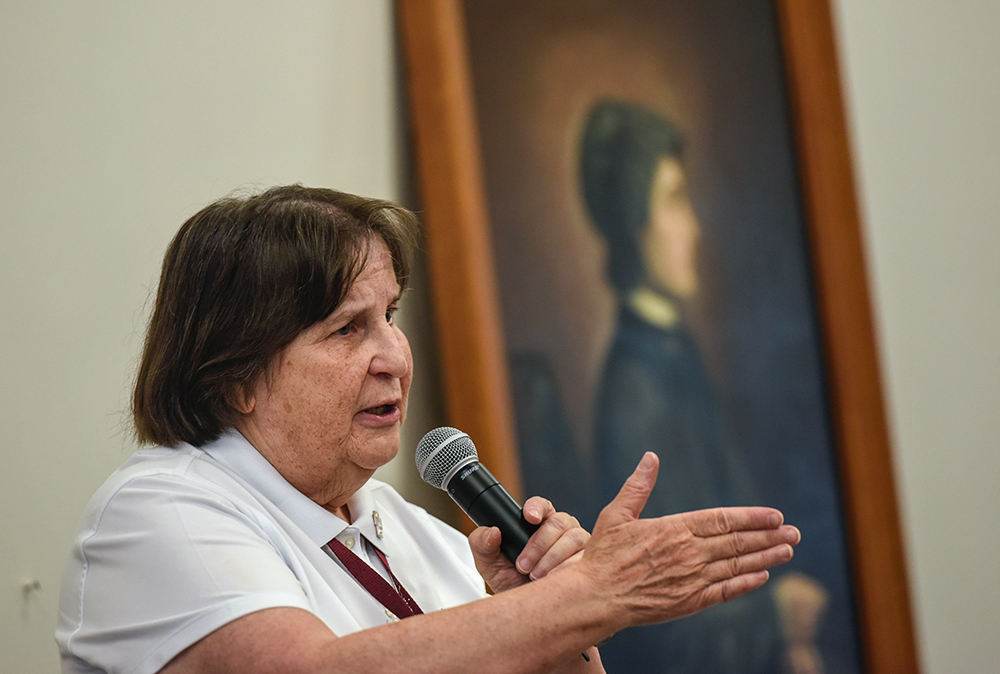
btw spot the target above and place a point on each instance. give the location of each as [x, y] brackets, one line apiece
[381, 410]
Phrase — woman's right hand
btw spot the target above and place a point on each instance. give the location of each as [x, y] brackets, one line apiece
[655, 570]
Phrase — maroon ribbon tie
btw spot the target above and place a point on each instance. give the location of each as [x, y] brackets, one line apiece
[395, 599]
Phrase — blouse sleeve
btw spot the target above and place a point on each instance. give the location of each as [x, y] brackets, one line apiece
[160, 564]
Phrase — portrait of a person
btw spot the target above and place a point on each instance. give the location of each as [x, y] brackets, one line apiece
[654, 394]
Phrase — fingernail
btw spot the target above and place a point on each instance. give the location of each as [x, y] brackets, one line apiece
[523, 565]
[775, 520]
[647, 461]
[532, 511]
[794, 536]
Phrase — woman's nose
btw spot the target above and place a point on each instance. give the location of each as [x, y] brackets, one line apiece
[392, 355]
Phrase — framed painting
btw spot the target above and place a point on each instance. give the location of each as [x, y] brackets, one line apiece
[642, 234]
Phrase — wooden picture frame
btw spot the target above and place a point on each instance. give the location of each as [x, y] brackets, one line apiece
[463, 279]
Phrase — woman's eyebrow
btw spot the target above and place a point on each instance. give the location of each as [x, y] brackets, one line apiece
[348, 308]
[340, 313]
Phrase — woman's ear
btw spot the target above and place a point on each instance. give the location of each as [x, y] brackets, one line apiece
[242, 399]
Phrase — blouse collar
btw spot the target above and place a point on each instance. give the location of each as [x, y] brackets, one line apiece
[234, 452]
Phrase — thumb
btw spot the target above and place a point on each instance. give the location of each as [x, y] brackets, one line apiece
[632, 497]
[485, 543]
[492, 566]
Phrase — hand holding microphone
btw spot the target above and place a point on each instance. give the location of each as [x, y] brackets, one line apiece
[446, 458]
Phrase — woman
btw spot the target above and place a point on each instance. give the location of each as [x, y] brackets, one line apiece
[274, 382]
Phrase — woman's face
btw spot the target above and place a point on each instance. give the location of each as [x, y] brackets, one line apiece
[330, 411]
[670, 242]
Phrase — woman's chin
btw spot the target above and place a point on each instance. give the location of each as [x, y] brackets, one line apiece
[378, 451]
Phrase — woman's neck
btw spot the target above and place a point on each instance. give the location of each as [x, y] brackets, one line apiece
[343, 512]
[653, 307]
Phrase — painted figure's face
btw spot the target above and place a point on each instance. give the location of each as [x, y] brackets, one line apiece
[330, 412]
[670, 242]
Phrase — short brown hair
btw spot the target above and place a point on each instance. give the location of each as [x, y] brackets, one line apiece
[240, 280]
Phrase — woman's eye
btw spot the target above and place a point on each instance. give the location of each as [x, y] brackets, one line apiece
[390, 314]
[346, 330]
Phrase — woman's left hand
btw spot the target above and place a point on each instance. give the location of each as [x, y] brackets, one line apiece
[558, 543]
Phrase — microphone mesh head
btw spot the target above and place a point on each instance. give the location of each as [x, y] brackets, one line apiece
[441, 452]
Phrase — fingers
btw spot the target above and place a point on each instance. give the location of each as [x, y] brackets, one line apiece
[736, 576]
[567, 547]
[633, 495]
[731, 588]
[537, 509]
[558, 538]
[732, 567]
[743, 542]
[568, 562]
[718, 521]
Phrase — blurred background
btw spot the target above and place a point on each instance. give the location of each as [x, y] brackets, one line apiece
[119, 120]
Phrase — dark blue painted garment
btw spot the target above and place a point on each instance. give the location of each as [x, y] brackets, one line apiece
[655, 395]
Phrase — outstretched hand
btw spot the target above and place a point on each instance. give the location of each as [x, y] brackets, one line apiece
[660, 569]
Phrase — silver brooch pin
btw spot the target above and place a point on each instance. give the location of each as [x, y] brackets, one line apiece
[377, 521]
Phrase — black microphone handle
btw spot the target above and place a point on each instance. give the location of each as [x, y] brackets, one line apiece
[488, 504]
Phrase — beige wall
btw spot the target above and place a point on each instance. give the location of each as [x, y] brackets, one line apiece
[119, 119]
[924, 105]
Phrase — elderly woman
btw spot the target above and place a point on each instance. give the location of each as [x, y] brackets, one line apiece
[253, 538]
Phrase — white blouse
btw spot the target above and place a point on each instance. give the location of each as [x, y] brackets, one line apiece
[180, 541]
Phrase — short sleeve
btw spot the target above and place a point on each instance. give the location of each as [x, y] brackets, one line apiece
[161, 565]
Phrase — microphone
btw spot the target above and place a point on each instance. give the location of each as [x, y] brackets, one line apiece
[447, 459]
